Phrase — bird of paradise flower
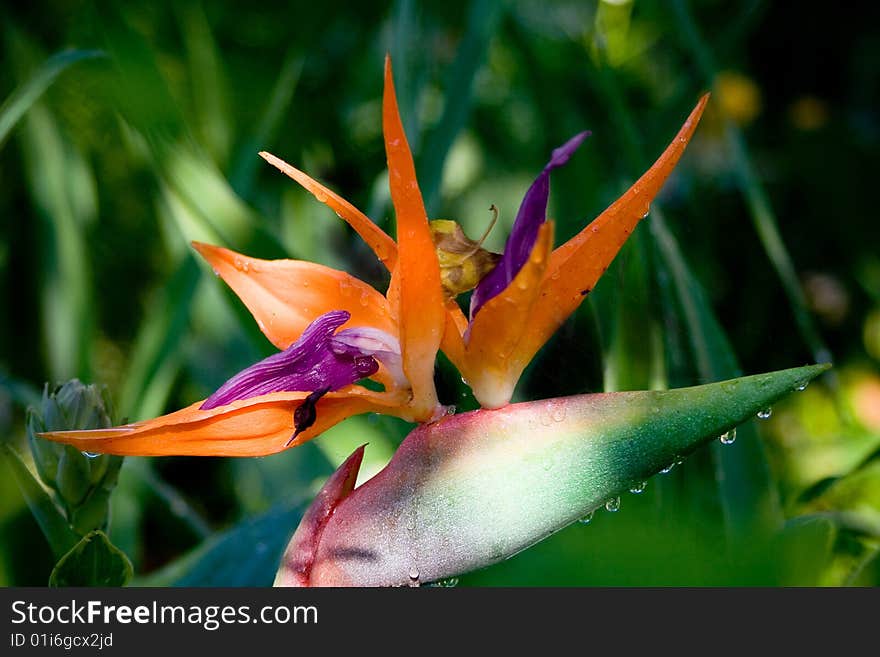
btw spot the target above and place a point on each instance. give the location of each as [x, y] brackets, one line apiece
[334, 330]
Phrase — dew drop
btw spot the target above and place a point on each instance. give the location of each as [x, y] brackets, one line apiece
[587, 519]
[557, 411]
[448, 583]
[613, 504]
[91, 455]
[802, 386]
[728, 437]
[639, 488]
[465, 381]
[413, 576]
[765, 413]
[669, 467]
[321, 196]
[647, 212]
[216, 273]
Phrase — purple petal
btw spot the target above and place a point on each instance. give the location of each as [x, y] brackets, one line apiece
[532, 213]
[309, 364]
[376, 343]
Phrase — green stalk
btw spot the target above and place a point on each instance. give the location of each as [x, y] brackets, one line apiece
[755, 195]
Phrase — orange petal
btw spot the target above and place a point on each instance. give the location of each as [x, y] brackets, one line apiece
[421, 314]
[251, 427]
[376, 238]
[576, 266]
[285, 296]
[495, 359]
[453, 335]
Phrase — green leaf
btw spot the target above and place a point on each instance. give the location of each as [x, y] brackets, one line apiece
[246, 555]
[61, 182]
[479, 487]
[210, 93]
[94, 561]
[25, 95]
[49, 517]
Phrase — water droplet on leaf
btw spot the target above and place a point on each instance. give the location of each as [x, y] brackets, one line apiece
[613, 504]
[728, 437]
[802, 386]
[639, 488]
[765, 413]
[587, 519]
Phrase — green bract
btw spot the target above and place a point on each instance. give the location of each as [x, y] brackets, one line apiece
[476, 488]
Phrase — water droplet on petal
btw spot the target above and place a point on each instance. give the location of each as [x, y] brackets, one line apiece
[765, 413]
[587, 519]
[557, 411]
[613, 504]
[639, 488]
[91, 455]
[413, 576]
[669, 468]
[728, 437]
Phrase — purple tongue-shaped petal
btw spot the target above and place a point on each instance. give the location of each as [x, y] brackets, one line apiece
[309, 364]
[531, 215]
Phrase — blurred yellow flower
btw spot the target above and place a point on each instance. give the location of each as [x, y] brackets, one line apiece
[738, 97]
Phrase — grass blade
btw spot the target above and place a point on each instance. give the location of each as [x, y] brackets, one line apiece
[63, 189]
[482, 21]
[245, 166]
[756, 198]
[28, 93]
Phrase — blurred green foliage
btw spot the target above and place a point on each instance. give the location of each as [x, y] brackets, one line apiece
[128, 130]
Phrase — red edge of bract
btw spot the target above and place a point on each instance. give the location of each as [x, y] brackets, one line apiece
[299, 557]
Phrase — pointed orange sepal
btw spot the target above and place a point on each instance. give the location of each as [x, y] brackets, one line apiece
[421, 313]
[251, 427]
[285, 296]
[575, 267]
[376, 238]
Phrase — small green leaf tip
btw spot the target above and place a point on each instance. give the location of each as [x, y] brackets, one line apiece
[473, 489]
